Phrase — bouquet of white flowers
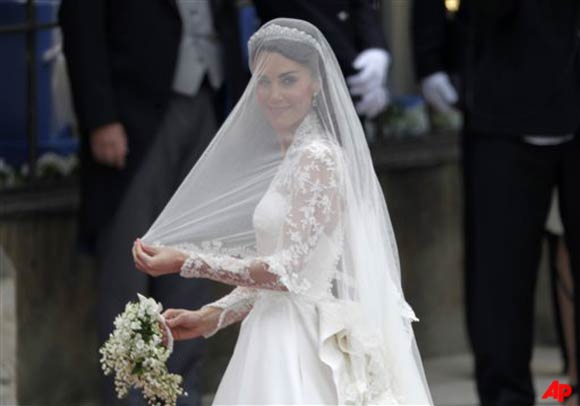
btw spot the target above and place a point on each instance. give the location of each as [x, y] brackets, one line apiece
[136, 354]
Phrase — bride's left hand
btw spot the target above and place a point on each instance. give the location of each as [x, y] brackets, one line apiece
[157, 261]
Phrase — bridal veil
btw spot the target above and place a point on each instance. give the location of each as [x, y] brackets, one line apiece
[212, 209]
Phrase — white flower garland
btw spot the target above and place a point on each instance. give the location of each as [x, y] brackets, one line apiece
[136, 354]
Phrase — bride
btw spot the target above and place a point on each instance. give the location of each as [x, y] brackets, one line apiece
[284, 205]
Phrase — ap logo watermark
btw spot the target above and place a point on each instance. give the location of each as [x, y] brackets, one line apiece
[558, 391]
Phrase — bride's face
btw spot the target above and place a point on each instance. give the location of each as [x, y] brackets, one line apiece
[285, 90]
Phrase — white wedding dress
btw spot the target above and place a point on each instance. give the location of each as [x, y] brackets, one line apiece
[299, 345]
[304, 236]
[276, 359]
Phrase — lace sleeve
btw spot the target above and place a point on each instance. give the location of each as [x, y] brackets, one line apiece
[235, 307]
[312, 188]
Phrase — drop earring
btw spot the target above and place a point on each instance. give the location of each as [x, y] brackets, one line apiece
[315, 100]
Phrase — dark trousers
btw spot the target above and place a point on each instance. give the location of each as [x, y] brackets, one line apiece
[508, 190]
[185, 131]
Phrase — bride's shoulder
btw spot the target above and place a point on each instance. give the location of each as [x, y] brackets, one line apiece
[321, 149]
[320, 159]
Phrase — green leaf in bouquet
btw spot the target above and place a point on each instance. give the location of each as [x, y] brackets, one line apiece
[137, 369]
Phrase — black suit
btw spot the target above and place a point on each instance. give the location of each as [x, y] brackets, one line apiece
[522, 78]
[350, 26]
[528, 52]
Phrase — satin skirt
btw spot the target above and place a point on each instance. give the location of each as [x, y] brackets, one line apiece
[276, 360]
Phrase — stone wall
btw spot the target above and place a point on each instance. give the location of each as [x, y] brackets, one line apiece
[427, 228]
[56, 353]
[7, 331]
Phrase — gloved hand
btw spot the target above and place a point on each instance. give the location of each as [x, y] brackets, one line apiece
[373, 102]
[370, 81]
[439, 92]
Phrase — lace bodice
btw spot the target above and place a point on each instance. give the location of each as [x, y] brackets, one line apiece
[298, 231]
[268, 220]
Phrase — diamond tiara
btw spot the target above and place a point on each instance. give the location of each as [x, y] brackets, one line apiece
[278, 32]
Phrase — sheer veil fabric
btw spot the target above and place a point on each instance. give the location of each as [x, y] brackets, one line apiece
[334, 244]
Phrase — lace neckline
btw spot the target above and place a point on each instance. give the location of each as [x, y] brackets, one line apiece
[309, 129]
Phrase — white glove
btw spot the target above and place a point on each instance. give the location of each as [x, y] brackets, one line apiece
[439, 92]
[370, 82]
[373, 102]
[373, 64]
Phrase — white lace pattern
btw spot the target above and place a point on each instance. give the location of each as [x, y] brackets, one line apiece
[235, 307]
[309, 181]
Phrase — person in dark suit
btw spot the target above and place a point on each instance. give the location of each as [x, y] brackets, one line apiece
[354, 32]
[144, 77]
[439, 50]
[521, 140]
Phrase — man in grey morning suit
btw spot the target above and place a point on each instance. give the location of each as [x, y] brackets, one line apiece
[144, 76]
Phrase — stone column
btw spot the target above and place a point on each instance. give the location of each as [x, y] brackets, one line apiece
[396, 22]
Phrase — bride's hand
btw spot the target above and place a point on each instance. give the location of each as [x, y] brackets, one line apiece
[188, 324]
[157, 261]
